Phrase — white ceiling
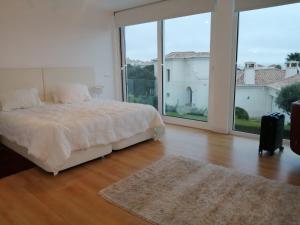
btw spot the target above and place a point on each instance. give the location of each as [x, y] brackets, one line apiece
[116, 5]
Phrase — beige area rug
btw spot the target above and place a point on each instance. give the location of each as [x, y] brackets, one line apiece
[181, 191]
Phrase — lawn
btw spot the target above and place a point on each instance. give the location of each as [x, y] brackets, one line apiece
[253, 126]
[248, 126]
[187, 116]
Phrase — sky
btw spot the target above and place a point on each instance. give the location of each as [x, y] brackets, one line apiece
[265, 36]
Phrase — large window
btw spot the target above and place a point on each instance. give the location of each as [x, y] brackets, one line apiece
[168, 64]
[267, 74]
[141, 58]
[186, 66]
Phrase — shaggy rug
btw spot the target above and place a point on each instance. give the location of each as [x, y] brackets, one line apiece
[181, 191]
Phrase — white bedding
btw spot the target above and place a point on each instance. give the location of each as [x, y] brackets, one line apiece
[51, 132]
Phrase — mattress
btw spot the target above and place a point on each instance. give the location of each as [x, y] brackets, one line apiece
[52, 132]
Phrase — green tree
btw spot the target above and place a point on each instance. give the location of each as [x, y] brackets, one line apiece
[287, 96]
[141, 84]
[294, 57]
[140, 72]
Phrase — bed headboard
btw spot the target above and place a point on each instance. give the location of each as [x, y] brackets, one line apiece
[56, 76]
[45, 79]
[12, 79]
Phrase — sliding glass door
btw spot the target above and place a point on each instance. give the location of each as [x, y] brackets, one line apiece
[182, 69]
[186, 66]
[141, 59]
[268, 64]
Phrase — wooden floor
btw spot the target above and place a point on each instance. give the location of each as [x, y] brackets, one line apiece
[34, 197]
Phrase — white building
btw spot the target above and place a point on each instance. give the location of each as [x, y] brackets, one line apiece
[186, 79]
[186, 83]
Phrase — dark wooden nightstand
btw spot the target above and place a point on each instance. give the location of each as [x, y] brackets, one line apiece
[11, 162]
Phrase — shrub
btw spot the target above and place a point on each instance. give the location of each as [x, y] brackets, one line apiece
[183, 109]
[171, 108]
[241, 113]
[287, 96]
[198, 111]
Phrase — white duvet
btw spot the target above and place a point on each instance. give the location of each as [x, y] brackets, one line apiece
[51, 132]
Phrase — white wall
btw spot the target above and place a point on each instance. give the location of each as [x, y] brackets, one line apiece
[258, 100]
[193, 73]
[51, 33]
[255, 100]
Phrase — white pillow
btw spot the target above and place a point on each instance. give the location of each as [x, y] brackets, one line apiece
[71, 93]
[20, 99]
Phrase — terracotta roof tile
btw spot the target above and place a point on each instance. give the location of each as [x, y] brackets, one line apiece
[240, 77]
[285, 82]
[267, 76]
[262, 76]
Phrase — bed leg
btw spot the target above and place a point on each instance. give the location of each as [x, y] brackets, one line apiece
[55, 173]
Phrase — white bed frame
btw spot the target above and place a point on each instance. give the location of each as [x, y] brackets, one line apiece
[44, 79]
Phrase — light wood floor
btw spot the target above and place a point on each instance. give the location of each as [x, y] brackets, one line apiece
[34, 197]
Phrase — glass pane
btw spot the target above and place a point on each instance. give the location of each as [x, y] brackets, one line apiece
[267, 75]
[186, 73]
[141, 58]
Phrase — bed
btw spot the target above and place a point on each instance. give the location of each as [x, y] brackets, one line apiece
[59, 136]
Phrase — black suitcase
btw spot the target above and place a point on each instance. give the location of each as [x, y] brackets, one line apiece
[271, 132]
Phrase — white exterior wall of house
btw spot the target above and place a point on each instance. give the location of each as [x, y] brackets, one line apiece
[292, 68]
[194, 73]
[185, 73]
[256, 100]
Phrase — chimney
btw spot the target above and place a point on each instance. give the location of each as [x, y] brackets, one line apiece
[249, 73]
[291, 68]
